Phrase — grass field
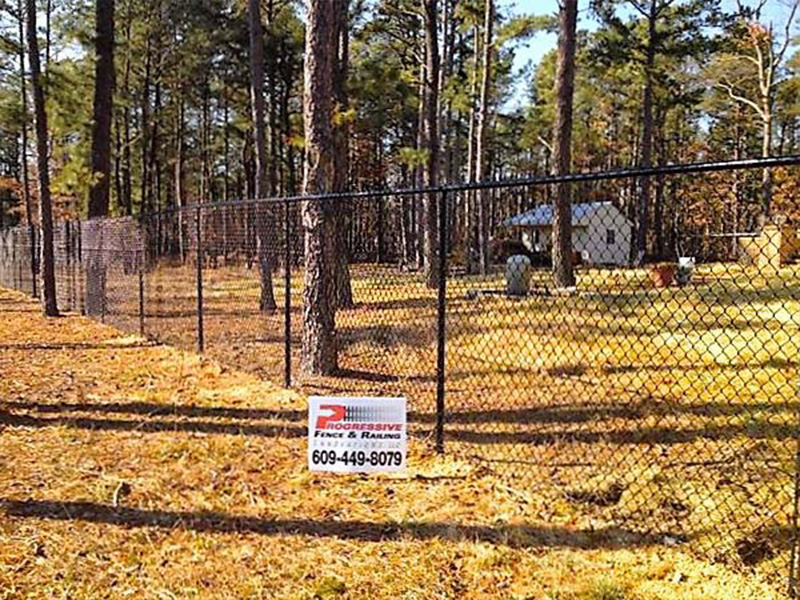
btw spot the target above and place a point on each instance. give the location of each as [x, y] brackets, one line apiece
[129, 469]
[670, 412]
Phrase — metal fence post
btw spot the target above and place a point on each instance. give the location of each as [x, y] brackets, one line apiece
[80, 270]
[142, 255]
[67, 266]
[794, 555]
[34, 270]
[287, 302]
[198, 233]
[441, 333]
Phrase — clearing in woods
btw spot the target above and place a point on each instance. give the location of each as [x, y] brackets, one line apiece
[129, 469]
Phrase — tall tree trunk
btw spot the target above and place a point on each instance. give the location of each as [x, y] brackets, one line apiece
[155, 144]
[127, 176]
[42, 161]
[117, 159]
[264, 221]
[286, 97]
[272, 163]
[26, 184]
[481, 153]
[766, 151]
[563, 273]
[642, 226]
[290, 188]
[469, 197]
[658, 198]
[319, 353]
[206, 193]
[341, 162]
[226, 183]
[146, 206]
[48, 36]
[418, 211]
[445, 104]
[100, 193]
[431, 137]
[226, 147]
[736, 192]
[178, 179]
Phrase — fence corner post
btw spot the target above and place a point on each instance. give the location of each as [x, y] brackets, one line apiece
[441, 326]
[201, 343]
[287, 300]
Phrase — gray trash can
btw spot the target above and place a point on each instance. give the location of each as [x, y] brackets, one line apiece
[518, 275]
[686, 265]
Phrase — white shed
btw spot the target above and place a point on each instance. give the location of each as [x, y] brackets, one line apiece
[601, 232]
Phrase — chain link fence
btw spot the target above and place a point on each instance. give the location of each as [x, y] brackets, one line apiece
[655, 400]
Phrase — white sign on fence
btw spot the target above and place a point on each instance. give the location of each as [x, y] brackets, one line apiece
[356, 435]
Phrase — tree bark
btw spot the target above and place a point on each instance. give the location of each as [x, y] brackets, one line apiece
[273, 152]
[42, 161]
[563, 272]
[178, 178]
[264, 221]
[287, 70]
[766, 151]
[127, 184]
[431, 138]
[469, 197]
[146, 206]
[341, 163]
[100, 193]
[26, 184]
[642, 226]
[319, 352]
[481, 154]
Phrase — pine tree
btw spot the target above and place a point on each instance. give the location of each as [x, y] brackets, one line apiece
[563, 272]
[319, 352]
[42, 162]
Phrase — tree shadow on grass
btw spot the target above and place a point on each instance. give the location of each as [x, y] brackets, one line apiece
[527, 436]
[533, 416]
[77, 346]
[152, 426]
[521, 536]
[153, 409]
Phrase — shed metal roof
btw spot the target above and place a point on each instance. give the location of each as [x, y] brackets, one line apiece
[542, 216]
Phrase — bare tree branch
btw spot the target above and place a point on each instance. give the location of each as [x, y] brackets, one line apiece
[727, 87]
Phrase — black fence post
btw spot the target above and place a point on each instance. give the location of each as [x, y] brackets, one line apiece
[441, 333]
[201, 344]
[794, 555]
[142, 258]
[34, 253]
[75, 264]
[67, 266]
[80, 269]
[287, 291]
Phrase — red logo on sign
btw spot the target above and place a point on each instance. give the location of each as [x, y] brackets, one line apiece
[337, 414]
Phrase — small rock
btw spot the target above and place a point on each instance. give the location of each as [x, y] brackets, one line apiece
[671, 541]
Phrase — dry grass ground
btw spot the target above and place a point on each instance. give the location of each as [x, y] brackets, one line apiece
[672, 411]
[129, 469]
